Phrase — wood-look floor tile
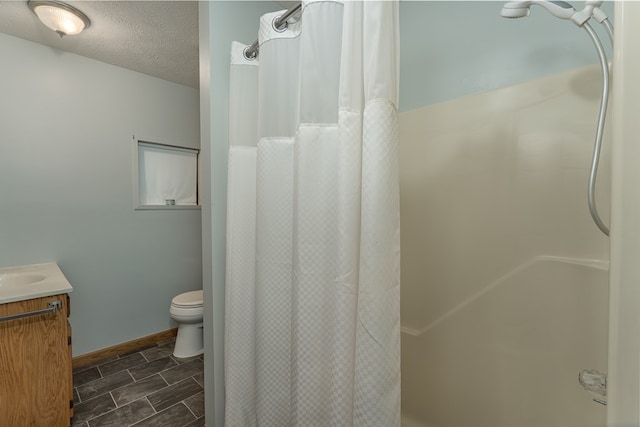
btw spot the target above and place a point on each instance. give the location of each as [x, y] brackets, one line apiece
[169, 341]
[142, 371]
[196, 404]
[158, 351]
[136, 390]
[91, 408]
[137, 350]
[94, 364]
[185, 370]
[125, 415]
[181, 360]
[174, 393]
[86, 376]
[104, 385]
[200, 377]
[197, 423]
[174, 416]
[121, 364]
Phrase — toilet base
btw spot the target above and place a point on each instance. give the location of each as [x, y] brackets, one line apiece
[189, 341]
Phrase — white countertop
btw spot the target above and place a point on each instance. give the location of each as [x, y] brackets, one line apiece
[32, 281]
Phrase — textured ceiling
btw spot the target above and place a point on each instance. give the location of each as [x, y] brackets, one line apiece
[159, 38]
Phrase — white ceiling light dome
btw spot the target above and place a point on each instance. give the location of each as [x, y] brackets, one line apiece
[60, 17]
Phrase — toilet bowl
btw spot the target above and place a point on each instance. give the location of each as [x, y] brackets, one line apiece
[186, 309]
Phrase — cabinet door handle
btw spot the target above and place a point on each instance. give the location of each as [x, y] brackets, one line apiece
[52, 307]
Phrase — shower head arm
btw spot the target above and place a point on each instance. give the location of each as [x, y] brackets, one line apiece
[603, 19]
[579, 18]
[599, 15]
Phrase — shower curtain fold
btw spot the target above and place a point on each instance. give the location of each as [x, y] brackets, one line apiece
[312, 334]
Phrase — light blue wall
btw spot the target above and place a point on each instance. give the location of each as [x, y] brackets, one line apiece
[221, 22]
[454, 48]
[66, 188]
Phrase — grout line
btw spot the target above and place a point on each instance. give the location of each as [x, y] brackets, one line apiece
[114, 401]
[146, 418]
[89, 382]
[86, 423]
[118, 388]
[129, 372]
[163, 379]
[189, 408]
[152, 408]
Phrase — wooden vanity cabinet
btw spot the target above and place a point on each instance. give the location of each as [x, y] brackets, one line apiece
[36, 386]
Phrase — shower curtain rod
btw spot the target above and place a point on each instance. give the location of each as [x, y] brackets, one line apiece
[279, 24]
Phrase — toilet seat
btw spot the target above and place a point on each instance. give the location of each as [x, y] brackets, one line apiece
[193, 299]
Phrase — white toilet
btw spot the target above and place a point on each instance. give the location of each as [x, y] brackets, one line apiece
[187, 309]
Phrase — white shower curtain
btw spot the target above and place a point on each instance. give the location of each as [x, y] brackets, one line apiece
[312, 321]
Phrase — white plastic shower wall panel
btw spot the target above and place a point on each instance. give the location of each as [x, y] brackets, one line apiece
[504, 274]
[624, 342]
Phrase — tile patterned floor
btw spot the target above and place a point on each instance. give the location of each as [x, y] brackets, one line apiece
[148, 387]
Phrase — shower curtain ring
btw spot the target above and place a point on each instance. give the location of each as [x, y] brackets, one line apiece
[248, 56]
[283, 25]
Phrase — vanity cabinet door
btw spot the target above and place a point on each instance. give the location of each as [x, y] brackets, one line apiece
[35, 365]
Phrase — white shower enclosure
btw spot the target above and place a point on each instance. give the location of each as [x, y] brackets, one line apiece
[505, 277]
[508, 289]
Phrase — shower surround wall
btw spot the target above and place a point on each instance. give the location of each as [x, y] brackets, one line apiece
[504, 275]
[501, 303]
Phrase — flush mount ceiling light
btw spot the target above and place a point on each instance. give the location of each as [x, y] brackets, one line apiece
[60, 17]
